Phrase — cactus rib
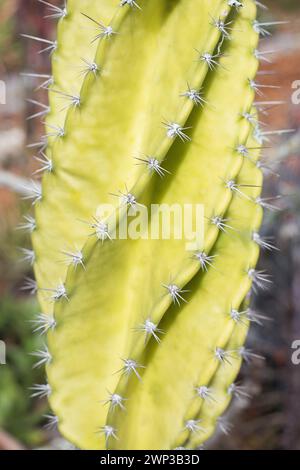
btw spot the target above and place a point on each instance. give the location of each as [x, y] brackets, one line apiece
[145, 336]
[72, 171]
[116, 257]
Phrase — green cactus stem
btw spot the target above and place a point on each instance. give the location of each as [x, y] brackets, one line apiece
[151, 102]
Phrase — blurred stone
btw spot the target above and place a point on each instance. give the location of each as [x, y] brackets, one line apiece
[12, 143]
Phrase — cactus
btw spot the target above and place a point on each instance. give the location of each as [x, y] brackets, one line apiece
[144, 338]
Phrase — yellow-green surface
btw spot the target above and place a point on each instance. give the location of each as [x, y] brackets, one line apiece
[144, 69]
[75, 45]
[247, 219]
[120, 118]
[185, 357]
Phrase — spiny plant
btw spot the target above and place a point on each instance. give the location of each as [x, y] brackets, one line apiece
[152, 101]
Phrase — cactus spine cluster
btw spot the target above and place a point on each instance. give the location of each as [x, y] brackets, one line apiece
[151, 100]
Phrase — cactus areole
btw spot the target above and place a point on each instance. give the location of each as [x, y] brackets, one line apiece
[145, 336]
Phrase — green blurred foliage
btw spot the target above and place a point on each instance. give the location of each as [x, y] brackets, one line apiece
[10, 48]
[12, 268]
[20, 415]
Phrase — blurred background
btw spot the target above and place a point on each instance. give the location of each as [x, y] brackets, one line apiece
[269, 418]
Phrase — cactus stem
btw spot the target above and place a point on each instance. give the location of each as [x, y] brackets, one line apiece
[41, 391]
[150, 329]
[130, 365]
[101, 229]
[29, 225]
[28, 255]
[58, 131]
[58, 293]
[74, 100]
[34, 192]
[242, 150]
[43, 356]
[131, 3]
[108, 432]
[47, 164]
[247, 315]
[50, 48]
[204, 259]
[106, 31]
[153, 165]
[192, 425]
[205, 393]
[175, 293]
[90, 67]
[223, 356]
[239, 317]
[195, 96]
[115, 400]
[52, 421]
[235, 187]
[210, 59]
[251, 118]
[259, 279]
[44, 323]
[127, 198]
[222, 27]
[220, 222]
[235, 3]
[130, 368]
[176, 130]
[75, 258]
[30, 286]
[263, 242]
[57, 11]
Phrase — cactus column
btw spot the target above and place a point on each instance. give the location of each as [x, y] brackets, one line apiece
[146, 337]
